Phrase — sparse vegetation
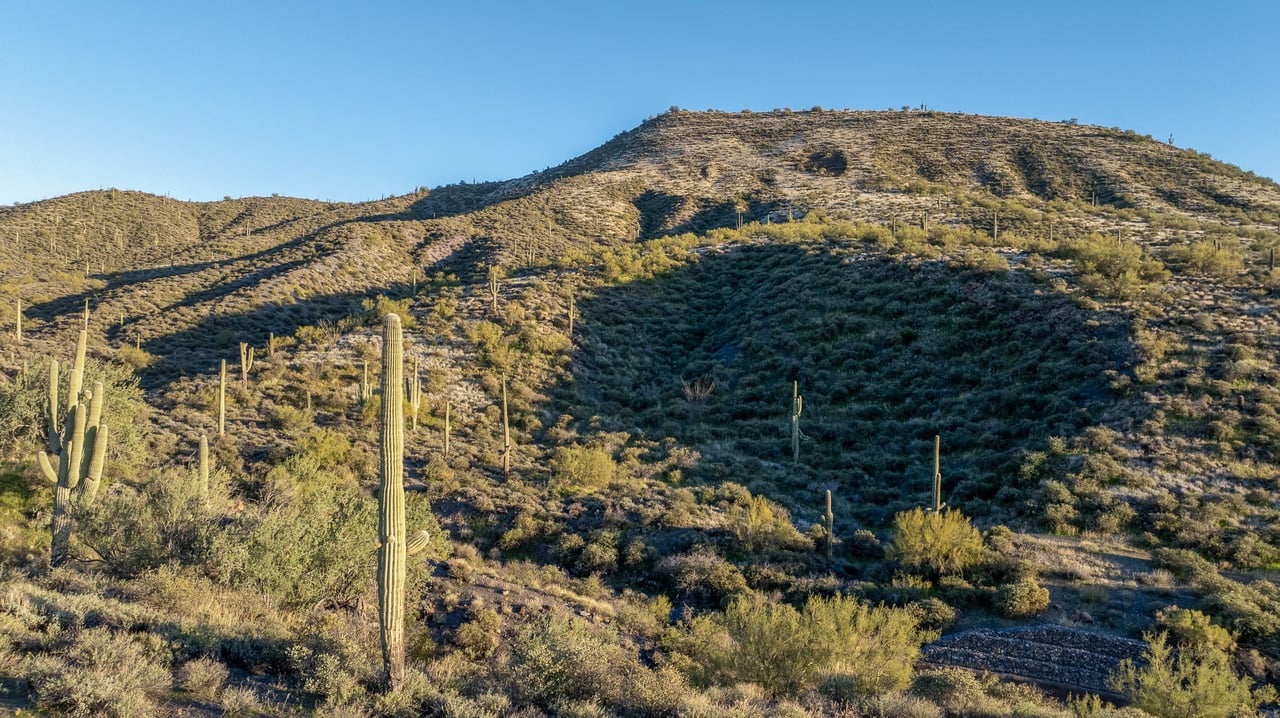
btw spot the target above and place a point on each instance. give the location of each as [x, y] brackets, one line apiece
[637, 513]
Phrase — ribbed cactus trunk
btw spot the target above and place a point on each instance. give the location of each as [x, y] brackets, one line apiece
[17, 329]
[391, 530]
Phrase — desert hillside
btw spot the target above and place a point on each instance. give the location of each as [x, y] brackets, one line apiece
[672, 415]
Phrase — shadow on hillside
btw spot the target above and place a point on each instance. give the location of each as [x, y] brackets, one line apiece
[200, 348]
[887, 355]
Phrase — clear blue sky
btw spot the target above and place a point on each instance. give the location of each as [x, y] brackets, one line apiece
[353, 101]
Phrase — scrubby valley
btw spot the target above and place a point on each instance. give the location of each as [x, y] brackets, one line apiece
[786, 413]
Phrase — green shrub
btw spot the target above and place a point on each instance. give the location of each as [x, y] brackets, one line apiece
[478, 637]
[99, 672]
[940, 541]
[1022, 599]
[863, 650]
[581, 468]
[1196, 681]
[763, 525]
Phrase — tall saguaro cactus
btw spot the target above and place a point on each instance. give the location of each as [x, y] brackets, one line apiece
[393, 549]
[17, 327]
[446, 428]
[495, 274]
[573, 312]
[222, 399]
[797, 405]
[937, 473]
[246, 361]
[415, 395]
[204, 467]
[829, 523]
[391, 533]
[81, 446]
[506, 431]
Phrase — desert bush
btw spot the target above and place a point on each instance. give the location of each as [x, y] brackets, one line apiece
[703, 576]
[1022, 599]
[478, 637]
[940, 541]
[169, 519]
[1195, 681]
[203, 676]
[99, 672]
[1193, 628]
[558, 663]
[581, 468]
[763, 525]
[860, 649]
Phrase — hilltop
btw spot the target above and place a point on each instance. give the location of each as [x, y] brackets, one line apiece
[1086, 318]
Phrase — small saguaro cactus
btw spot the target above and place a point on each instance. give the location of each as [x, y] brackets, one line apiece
[415, 395]
[506, 431]
[204, 467]
[446, 428]
[797, 405]
[495, 273]
[393, 549]
[573, 311]
[17, 327]
[271, 345]
[80, 444]
[366, 391]
[937, 473]
[86, 313]
[829, 523]
[222, 399]
[246, 361]
[995, 225]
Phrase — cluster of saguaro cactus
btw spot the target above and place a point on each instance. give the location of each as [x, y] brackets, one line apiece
[797, 405]
[80, 443]
[937, 473]
[829, 523]
[246, 361]
[393, 549]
